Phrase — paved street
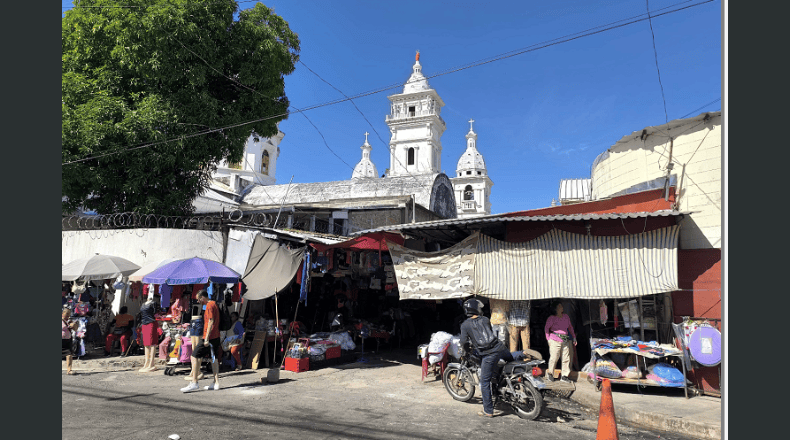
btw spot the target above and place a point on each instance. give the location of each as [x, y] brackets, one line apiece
[380, 399]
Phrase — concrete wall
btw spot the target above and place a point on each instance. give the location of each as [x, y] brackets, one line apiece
[633, 160]
[142, 246]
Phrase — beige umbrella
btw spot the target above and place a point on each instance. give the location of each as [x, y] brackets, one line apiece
[148, 268]
[97, 267]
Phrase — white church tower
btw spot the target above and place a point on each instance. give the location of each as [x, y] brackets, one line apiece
[365, 168]
[471, 183]
[415, 146]
[257, 166]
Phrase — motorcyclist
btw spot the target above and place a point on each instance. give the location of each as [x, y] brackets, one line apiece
[476, 331]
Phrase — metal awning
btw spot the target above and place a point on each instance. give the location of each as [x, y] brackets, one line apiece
[455, 230]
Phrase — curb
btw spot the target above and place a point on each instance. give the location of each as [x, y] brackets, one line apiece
[644, 419]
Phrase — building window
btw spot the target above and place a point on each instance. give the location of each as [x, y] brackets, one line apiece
[265, 163]
[468, 173]
[411, 110]
[410, 158]
[479, 173]
[468, 193]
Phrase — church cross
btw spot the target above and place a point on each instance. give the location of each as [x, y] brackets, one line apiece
[366, 137]
[471, 123]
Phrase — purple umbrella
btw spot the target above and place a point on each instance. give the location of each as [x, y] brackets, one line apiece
[192, 271]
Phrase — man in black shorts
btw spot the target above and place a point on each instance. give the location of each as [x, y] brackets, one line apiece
[208, 346]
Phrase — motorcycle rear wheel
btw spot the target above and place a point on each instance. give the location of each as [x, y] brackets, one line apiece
[458, 384]
[529, 404]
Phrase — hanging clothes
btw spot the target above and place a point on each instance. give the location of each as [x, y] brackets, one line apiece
[165, 292]
[305, 278]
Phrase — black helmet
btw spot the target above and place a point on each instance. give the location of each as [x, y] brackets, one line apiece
[473, 307]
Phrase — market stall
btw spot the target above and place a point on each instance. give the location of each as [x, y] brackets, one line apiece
[176, 284]
[92, 282]
[625, 360]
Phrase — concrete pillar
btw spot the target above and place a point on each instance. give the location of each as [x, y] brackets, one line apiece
[312, 223]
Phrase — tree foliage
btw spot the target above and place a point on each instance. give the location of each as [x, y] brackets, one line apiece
[157, 71]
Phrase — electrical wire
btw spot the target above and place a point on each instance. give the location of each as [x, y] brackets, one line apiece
[655, 54]
[376, 91]
[366, 120]
[694, 111]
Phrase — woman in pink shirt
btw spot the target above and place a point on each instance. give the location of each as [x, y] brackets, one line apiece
[559, 334]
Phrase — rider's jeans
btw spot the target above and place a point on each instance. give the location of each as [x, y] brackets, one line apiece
[487, 365]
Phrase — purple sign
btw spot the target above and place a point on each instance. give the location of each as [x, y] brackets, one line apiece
[705, 346]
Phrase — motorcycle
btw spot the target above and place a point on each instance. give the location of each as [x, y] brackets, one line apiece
[517, 383]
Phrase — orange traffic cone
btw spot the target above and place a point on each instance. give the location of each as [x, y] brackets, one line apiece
[607, 425]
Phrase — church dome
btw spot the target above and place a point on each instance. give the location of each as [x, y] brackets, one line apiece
[471, 162]
[365, 168]
[417, 82]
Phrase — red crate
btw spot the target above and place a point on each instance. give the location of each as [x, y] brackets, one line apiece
[297, 365]
[333, 352]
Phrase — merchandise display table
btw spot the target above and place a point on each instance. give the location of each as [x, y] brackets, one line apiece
[642, 351]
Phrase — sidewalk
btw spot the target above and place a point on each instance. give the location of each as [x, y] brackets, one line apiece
[663, 409]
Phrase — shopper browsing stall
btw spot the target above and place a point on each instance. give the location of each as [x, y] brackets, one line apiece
[559, 335]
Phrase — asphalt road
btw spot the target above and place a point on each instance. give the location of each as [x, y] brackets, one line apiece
[379, 399]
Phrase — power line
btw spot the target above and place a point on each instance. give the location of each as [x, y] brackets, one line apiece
[655, 55]
[366, 120]
[694, 111]
[383, 89]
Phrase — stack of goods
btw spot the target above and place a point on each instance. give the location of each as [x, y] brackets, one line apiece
[439, 342]
[298, 357]
[651, 348]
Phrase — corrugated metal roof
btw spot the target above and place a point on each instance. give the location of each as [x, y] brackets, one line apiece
[541, 218]
[575, 189]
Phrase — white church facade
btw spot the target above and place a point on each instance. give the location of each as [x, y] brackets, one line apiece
[412, 189]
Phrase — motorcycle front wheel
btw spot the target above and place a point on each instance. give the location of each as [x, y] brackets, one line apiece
[458, 384]
[528, 401]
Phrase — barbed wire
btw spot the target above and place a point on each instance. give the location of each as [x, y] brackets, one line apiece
[301, 221]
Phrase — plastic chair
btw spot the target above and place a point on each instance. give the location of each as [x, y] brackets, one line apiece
[437, 369]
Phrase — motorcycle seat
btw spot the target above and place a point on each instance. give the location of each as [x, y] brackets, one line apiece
[516, 367]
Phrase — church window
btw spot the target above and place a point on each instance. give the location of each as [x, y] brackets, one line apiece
[468, 193]
[479, 173]
[410, 158]
[468, 173]
[411, 110]
[265, 163]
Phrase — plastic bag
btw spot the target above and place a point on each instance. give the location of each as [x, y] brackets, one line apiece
[454, 350]
[632, 372]
[604, 367]
[439, 341]
[345, 341]
[666, 373]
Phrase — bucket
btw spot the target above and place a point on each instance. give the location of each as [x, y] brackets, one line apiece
[273, 376]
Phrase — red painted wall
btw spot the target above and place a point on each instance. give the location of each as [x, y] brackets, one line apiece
[700, 271]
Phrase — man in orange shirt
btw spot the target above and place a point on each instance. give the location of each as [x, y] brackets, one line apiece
[209, 345]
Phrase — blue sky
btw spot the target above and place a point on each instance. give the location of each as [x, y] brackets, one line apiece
[541, 116]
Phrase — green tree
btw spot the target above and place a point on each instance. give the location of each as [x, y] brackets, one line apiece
[156, 70]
